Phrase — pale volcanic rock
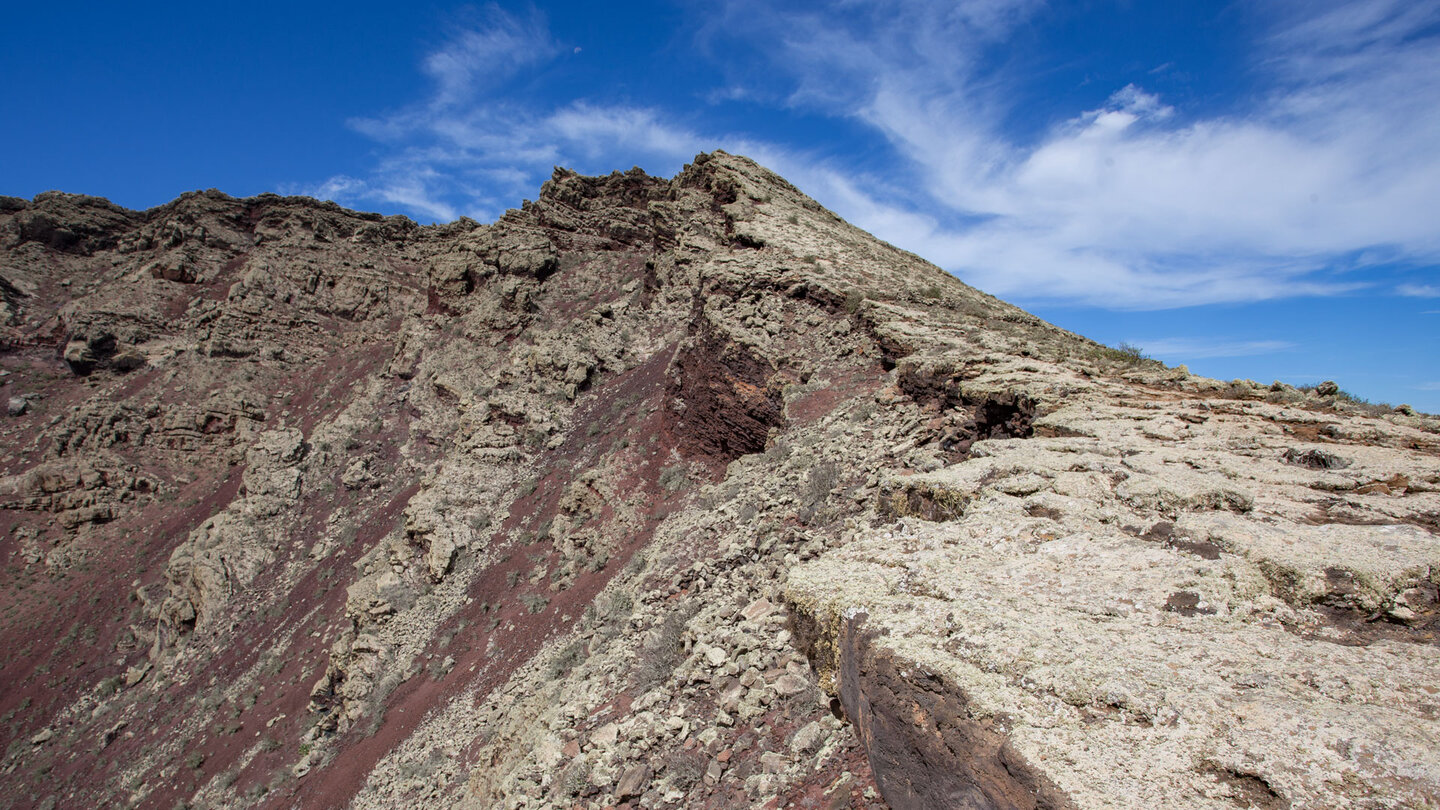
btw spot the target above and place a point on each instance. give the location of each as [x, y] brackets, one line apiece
[1152, 618]
[675, 493]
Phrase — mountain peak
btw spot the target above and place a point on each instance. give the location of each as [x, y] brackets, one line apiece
[667, 492]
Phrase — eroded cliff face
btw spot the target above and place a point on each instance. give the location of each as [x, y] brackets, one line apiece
[666, 493]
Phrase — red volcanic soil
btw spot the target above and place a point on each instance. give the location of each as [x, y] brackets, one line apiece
[496, 612]
[67, 630]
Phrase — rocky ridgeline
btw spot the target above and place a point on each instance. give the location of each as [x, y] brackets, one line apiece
[668, 493]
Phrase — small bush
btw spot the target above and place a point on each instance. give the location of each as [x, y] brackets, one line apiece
[1341, 397]
[572, 780]
[822, 478]
[665, 651]
[564, 661]
[1125, 354]
[1236, 389]
[674, 478]
[620, 606]
[440, 667]
[534, 602]
[686, 768]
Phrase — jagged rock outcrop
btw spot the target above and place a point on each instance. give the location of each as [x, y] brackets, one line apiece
[668, 493]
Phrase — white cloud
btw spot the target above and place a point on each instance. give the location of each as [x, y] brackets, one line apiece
[1182, 348]
[1419, 290]
[468, 141]
[595, 129]
[481, 57]
[1430, 386]
[406, 189]
[1132, 204]
[1128, 205]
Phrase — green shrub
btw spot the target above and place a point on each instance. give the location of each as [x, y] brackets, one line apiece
[822, 478]
[564, 661]
[674, 478]
[1125, 354]
[665, 651]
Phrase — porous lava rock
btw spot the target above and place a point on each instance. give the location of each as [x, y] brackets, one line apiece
[667, 493]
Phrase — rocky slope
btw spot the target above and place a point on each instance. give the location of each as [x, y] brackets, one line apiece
[668, 493]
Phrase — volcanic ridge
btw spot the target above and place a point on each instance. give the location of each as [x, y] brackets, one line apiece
[668, 493]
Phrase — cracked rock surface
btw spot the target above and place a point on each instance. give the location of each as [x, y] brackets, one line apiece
[668, 493]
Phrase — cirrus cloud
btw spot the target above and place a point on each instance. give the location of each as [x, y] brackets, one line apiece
[1320, 176]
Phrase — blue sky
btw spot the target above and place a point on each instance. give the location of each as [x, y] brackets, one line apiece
[1252, 189]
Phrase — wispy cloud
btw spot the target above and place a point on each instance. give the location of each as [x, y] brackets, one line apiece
[473, 148]
[1419, 290]
[1197, 348]
[1130, 204]
[483, 56]
[1135, 203]
[594, 128]
[1429, 386]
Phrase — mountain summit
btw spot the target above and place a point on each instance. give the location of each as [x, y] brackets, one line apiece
[668, 493]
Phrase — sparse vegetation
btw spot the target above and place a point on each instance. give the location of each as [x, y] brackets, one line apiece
[440, 667]
[853, 301]
[674, 478]
[1125, 354]
[560, 665]
[572, 780]
[665, 650]
[1340, 397]
[685, 768]
[111, 685]
[821, 479]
